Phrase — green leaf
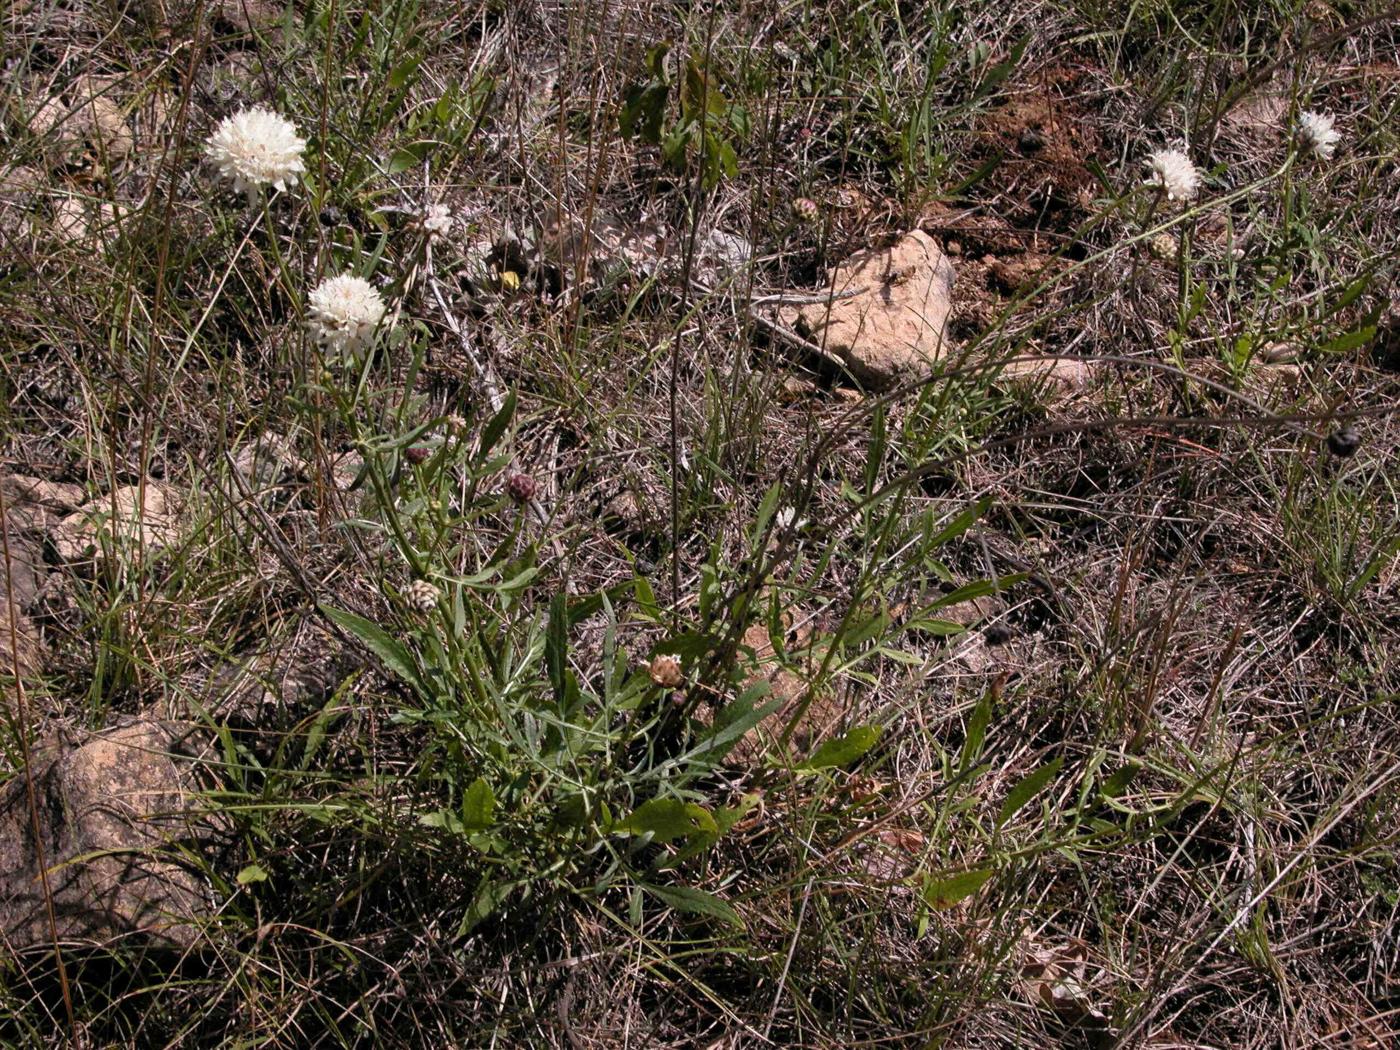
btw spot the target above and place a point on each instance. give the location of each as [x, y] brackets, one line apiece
[1349, 341]
[947, 891]
[1027, 788]
[643, 112]
[964, 520]
[488, 897]
[842, 750]
[673, 147]
[250, 874]
[1351, 294]
[410, 157]
[667, 819]
[404, 72]
[556, 644]
[697, 902]
[976, 731]
[731, 726]
[444, 819]
[1003, 69]
[390, 651]
[478, 806]
[497, 426]
[1119, 779]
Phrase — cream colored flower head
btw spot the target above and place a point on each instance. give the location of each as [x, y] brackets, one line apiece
[255, 148]
[1318, 134]
[1172, 171]
[437, 221]
[343, 312]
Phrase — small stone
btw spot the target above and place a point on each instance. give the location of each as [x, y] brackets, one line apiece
[1061, 372]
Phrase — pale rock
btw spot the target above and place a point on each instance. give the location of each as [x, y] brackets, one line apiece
[894, 327]
[1061, 373]
[121, 522]
[113, 813]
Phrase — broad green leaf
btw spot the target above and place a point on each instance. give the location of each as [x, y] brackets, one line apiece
[390, 651]
[1119, 779]
[667, 819]
[444, 819]
[842, 750]
[1351, 294]
[697, 902]
[947, 891]
[250, 874]
[1027, 788]
[1349, 341]
[488, 897]
[478, 806]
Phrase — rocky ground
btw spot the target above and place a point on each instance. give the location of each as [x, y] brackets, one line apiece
[817, 552]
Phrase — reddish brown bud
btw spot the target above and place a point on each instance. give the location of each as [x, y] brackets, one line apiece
[521, 488]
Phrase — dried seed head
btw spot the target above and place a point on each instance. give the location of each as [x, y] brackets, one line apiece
[521, 488]
[804, 209]
[666, 671]
[421, 596]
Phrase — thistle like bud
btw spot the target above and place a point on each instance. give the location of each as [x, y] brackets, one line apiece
[521, 488]
[421, 596]
[804, 209]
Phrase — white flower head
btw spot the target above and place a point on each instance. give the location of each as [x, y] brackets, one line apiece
[344, 311]
[437, 221]
[1318, 134]
[1171, 170]
[256, 148]
[786, 520]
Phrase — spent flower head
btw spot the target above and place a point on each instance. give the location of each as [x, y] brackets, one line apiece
[1318, 134]
[344, 311]
[666, 671]
[1171, 170]
[255, 148]
[437, 221]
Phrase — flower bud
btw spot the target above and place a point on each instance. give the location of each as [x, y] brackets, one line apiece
[804, 209]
